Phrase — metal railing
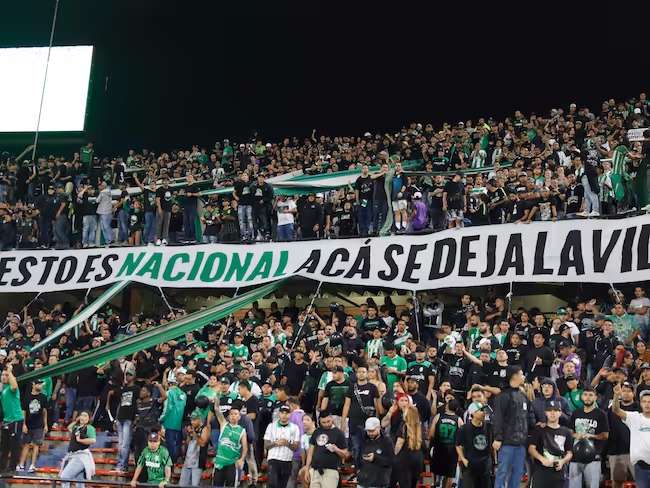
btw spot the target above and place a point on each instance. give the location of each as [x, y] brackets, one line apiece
[53, 482]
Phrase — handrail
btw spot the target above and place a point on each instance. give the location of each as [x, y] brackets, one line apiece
[55, 480]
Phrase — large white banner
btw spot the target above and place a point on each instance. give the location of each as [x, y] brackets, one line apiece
[602, 251]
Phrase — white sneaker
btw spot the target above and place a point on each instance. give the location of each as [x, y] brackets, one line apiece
[594, 213]
[32, 469]
[149, 244]
[158, 242]
[164, 242]
[20, 467]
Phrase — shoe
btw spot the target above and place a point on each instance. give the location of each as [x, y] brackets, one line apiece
[55, 426]
[32, 469]
[149, 244]
[20, 467]
[164, 242]
[158, 242]
[583, 214]
[594, 213]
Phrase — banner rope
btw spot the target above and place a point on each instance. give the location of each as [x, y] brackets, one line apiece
[162, 294]
[302, 324]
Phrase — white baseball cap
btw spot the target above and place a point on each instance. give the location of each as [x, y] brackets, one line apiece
[372, 423]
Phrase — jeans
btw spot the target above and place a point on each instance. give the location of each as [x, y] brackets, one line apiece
[73, 470]
[379, 208]
[123, 443]
[173, 441]
[189, 218]
[285, 232]
[149, 234]
[105, 225]
[85, 404]
[365, 219]
[591, 199]
[45, 231]
[162, 225]
[210, 239]
[10, 439]
[190, 476]
[70, 399]
[511, 466]
[356, 443]
[245, 214]
[279, 473]
[62, 232]
[89, 230]
[262, 222]
[644, 326]
[295, 468]
[641, 477]
[123, 226]
[589, 473]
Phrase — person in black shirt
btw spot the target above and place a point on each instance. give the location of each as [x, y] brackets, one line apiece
[435, 197]
[294, 373]
[190, 214]
[87, 209]
[262, 205]
[454, 201]
[311, 218]
[346, 220]
[327, 450]
[497, 199]
[150, 209]
[35, 414]
[125, 415]
[589, 422]
[544, 207]
[362, 402]
[519, 207]
[550, 447]
[242, 194]
[473, 445]
[364, 188]
[573, 195]
[163, 212]
[618, 443]
[380, 200]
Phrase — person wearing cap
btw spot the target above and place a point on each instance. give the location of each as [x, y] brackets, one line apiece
[473, 441]
[35, 425]
[281, 439]
[157, 461]
[232, 447]
[618, 444]
[327, 450]
[549, 393]
[78, 463]
[573, 393]
[128, 394]
[197, 438]
[172, 415]
[590, 423]
[550, 446]
[376, 456]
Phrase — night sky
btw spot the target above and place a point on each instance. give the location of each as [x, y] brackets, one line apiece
[176, 73]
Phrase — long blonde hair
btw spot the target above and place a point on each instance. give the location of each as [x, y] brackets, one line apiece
[413, 429]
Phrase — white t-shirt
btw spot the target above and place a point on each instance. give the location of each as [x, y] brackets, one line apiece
[286, 217]
[638, 303]
[639, 426]
[275, 432]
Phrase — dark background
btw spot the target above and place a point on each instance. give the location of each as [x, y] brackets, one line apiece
[175, 73]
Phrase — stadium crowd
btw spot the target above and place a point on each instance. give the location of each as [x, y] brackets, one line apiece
[488, 394]
[563, 164]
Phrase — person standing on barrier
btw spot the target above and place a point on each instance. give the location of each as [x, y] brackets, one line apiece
[12, 421]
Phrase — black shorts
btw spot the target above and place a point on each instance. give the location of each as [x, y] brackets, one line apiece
[225, 476]
[34, 436]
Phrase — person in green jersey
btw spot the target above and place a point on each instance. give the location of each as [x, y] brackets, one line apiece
[12, 421]
[156, 459]
[172, 416]
[86, 156]
[395, 365]
[231, 449]
[239, 350]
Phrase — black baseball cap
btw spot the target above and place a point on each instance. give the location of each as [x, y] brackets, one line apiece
[553, 405]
